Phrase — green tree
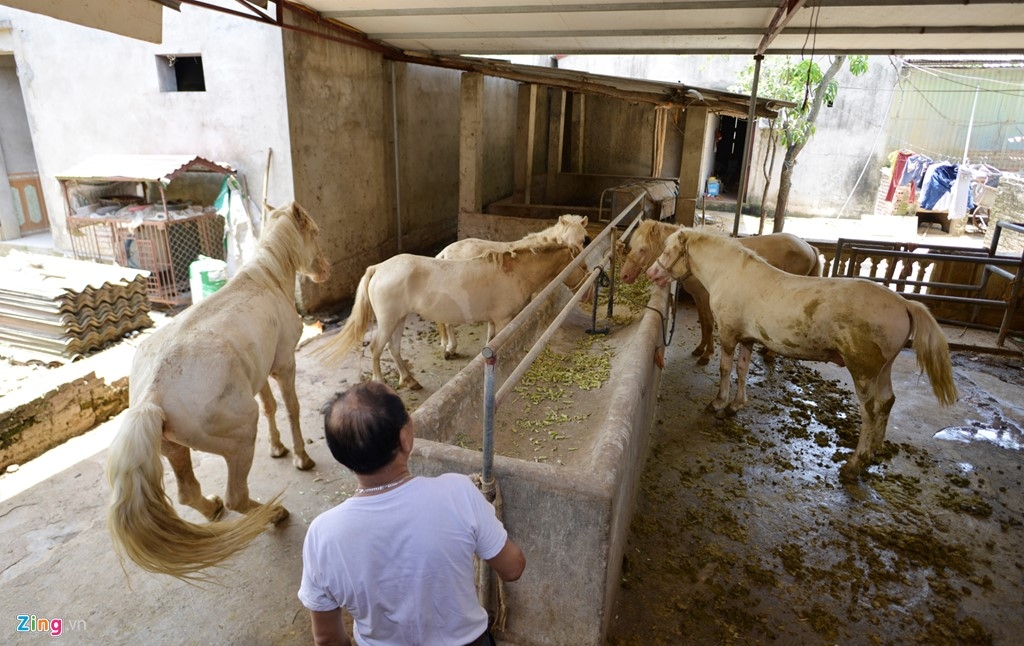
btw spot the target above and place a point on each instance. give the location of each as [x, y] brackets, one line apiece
[799, 81]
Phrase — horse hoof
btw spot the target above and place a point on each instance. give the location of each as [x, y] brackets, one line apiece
[218, 508]
[278, 451]
[449, 355]
[848, 473]
[711, 408]
[303, 462]
[703, 361]
[279, 516]
[726, 413]
[412, 384]
[697, 351]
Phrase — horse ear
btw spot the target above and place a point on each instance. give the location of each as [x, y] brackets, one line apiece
[301, 216]
[584, 221]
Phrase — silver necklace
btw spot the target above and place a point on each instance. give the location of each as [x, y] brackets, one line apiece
[384, 487]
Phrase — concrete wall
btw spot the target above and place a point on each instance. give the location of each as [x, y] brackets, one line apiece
[14, 132]
[848, 134]
[498, 181]
[351, 116]
[619, 137]
[88, 91]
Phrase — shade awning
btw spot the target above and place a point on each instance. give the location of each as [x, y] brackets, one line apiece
[141, 168]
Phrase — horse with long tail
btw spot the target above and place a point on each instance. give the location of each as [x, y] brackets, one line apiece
[494, 288]
[193, 385]
[851, 322]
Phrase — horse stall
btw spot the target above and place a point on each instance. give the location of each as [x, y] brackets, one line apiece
[567, 490]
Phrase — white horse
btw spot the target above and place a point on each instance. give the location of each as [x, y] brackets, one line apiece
[193, 385]
[570, 230]
[783, 250]
[849, 321]
[492, 288]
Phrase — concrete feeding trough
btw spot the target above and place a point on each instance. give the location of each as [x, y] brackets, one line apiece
[571, 516]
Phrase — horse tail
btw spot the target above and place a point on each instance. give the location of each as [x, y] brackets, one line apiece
[142, 520]
[932, 352]
[351, 334]
[817, 269]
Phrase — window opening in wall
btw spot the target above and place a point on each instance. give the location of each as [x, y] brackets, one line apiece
[180, 73]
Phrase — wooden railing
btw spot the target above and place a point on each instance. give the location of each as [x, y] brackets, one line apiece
[974, 287]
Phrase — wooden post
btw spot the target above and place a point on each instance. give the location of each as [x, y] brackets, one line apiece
[556, 135]
[525, 132]
[695, 125]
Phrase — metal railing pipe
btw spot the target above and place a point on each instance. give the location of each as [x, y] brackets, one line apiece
[538, 347]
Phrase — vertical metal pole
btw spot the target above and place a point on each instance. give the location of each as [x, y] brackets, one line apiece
[488, 442]
[741, 193]
[611, 283]
[486, 476]
[394, 153]
[970, 126]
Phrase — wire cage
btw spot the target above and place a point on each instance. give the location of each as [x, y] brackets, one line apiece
[164, 248]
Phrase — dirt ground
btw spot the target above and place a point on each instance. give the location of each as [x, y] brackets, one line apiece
[743, 533]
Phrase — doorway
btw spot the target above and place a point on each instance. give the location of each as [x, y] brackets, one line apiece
[730, 138]
[25, 214]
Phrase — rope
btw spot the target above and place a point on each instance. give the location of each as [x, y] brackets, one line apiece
[670, 332]
[492, 493]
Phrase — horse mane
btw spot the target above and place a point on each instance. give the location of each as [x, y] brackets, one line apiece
[281, 242]
[538, 245]
[660, 231]
[720, 238]
[551, 233]
[523, 246]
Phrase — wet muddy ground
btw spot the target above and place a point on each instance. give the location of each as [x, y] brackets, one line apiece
[743, 533]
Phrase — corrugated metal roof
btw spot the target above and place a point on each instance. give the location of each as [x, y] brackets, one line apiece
[936, 108]
[152, 168]
[458, 27]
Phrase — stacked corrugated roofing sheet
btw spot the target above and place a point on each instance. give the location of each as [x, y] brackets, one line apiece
[68, 308]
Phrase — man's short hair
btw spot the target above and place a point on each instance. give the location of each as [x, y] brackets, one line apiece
[363, 425]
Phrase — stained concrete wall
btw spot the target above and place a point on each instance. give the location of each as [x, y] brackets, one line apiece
[351, 116]
[87, 91]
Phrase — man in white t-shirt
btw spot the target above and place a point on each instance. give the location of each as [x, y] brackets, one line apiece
[398, 554]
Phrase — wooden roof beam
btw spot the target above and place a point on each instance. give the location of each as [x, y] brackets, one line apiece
[787, 9]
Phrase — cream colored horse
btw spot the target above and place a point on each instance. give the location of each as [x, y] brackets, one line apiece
[193, 385]
[492, 288]
[783, 250]
[570, 230]
[849, 321]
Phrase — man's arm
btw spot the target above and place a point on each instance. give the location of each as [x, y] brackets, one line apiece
[509, 563]
[328, 629]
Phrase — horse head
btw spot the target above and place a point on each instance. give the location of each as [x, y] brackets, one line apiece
[642, 247]
[673, 263]
[311, 259]
[572, 230]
